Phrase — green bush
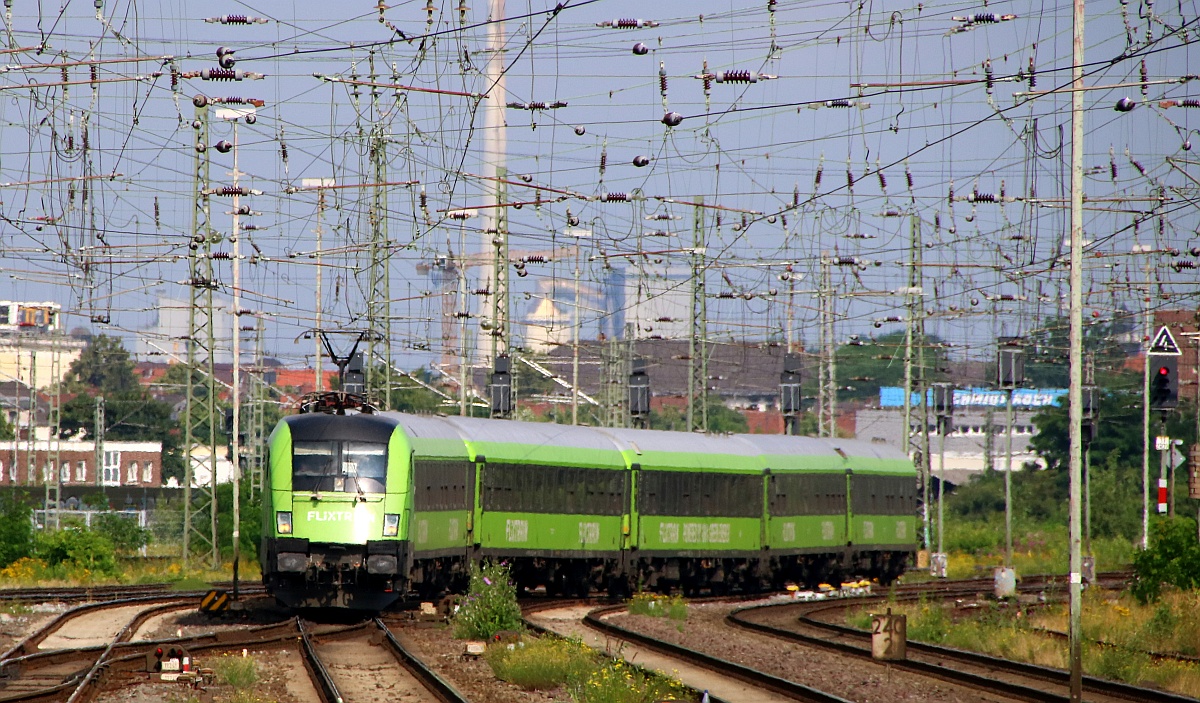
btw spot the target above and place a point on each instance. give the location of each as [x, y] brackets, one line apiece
[490, 605]
[72, 550]
[542, 663]
[16, 530]
[122, 530]
[1173, 559]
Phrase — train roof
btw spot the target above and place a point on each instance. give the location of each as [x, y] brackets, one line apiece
[512, 441]
[682, 450]
[870, 456]
[318, 427]
[432, 436]
[784, 452]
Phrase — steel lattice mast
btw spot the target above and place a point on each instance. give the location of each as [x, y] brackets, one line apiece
[201, 411]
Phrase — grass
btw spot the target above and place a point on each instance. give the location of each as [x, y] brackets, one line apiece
[15, 607]
[541, 663]
[549, 663]
[239, 672]
[31, 572]
[619, 682]
[670, 607]
[1172, 625]
[976, 547]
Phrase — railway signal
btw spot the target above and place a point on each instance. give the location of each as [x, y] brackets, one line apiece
[1164, 382]
[789, 391]
[355, 379]
[1010, 373]
[1091, 406]
[639, 393]
[166, 657]
[500, 387]
[943, 407]
[1010, 363]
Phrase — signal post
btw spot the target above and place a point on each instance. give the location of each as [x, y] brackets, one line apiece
[1162, 359]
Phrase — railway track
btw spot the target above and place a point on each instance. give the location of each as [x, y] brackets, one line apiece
[37, 670]
[359, 663]
[800, 623]
[725, 682]
[115, 592]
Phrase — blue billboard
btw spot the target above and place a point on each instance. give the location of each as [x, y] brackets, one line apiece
[893, 397]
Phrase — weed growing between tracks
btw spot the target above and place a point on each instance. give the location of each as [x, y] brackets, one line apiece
[239, 672]
[670, 607]
[1133, 631]
[549, 663]
[619, 682]
[977, 546]
[490, 605]
[542, 663]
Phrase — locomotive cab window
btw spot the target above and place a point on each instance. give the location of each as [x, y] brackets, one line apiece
[339, 467]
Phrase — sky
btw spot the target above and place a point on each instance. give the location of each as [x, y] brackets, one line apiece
[864, 124]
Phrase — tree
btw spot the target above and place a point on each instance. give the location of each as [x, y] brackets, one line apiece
[7, 431]
[16, 529]
[1046, 354]
[1173, 559]
[105, 369]
[415, 399]
[104, 366]
[122, 531]
[1118, 431]
[720, 419]
[863, 368]
[78, 549]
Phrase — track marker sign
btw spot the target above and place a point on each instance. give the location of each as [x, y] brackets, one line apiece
[1164, 344]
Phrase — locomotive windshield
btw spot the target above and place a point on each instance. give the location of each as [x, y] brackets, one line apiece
[339, 467]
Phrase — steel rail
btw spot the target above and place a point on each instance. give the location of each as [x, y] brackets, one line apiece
[317, 670]
[99, 592]
[1056, 676]
[754, 677]
[30, 643]
[221, 640]
[428, 677]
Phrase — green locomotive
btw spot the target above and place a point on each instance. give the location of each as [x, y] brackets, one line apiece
[363, 508]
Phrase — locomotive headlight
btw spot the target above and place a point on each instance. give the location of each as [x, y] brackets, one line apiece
[391, 525]
[283, 522]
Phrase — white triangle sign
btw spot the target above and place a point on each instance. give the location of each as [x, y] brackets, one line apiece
[1164, 344]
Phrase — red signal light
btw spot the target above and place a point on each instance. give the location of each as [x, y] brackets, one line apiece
[1163, 371]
